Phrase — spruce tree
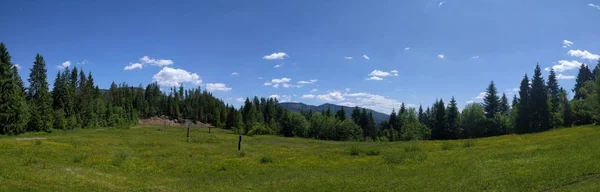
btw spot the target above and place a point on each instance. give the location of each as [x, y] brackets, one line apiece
[39, 97]
[421, 114]
[523, 119]
[540, 114]
[439, 121]
[491, 101]
[567, 114]
[583, 76]
[515, 101]
[504, 107]
[341, 114]
[14, 113]
[553, 91]
[393, 121]
[453, 129]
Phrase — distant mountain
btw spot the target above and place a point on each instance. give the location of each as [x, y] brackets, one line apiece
[298, 107]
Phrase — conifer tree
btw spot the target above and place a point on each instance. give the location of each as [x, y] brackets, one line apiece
[341, 114]
[439, 123]
[39, 97]
[553, 91]
[515, 101]
[453, 129]
[523, 119]
[14, 113]
[491, 101]
[583, 76]
[540, 114]
[504, 107]
[567, 114]
[393, 120]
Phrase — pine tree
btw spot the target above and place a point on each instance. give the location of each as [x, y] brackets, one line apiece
[393, 120]
[356, 115]
[14, 113]
[439, 123]
[540, 114]
[341, 114]
[491, 102]
[566, 107]
[523, 119]
[515, 101]
[453, 129]
[421, 114]
[596, 71]
[583, 76]
[39, 97]
[553, 91]
[504, 107]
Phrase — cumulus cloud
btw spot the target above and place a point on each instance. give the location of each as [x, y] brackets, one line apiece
[212, 87]
[276, 56]
[567, 43]
[564, 65]
[312, 81]
[314, 90]
[481, 95]
[133, 66]
[366, 57]
[347, 57]
[441, 56]
[594, 6]
[284, 82]
[308, 96]
[378, 75]
[173, 77]
[156, 62]
[584, 54]
[564, 77]
[64, 65]
[331, 96]
[235, 74]
[17, 66]
[372, 101]
[281, 98]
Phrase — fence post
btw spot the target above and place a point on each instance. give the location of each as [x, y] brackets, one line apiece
[240, 143]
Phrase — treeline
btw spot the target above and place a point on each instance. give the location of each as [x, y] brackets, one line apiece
[76, 102]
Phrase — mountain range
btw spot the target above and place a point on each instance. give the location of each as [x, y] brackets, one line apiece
[299, 107]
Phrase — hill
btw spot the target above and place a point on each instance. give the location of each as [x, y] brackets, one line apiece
[299, 107]
[158, 158]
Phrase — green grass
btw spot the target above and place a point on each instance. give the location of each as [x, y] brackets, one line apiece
[153, 158]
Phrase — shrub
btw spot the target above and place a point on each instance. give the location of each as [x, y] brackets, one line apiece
[259, 129]
[447, 146]
[266, 159]
[373, 152]
[354, 150]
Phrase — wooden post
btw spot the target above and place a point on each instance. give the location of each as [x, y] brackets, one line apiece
[188, 133]
[240, 143]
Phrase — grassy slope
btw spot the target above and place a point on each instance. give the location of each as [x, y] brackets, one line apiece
[158, 159]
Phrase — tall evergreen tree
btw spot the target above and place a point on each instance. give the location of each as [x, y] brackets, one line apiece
[356, 115]
[453, 129]
[491, 101]
[393, 120]
[341, 114]
[540, 114]
[583, 76]
[567, 114]
[39, 97]
[14, 113]
[515, 101]
[439, 121]
[523, 119]
[504, 107]
[553, 91]
[421, 114]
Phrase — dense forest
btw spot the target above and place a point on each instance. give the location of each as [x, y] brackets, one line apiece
[76, 102]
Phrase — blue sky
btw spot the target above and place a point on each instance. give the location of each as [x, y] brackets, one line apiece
[401, 51]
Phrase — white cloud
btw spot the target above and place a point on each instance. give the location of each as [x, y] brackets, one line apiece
[407, 48]
[347, 57]
[564, 65]
[281, 98]
[594, 6]
[284, 82]
[567, 43]
[366, 57]
[394, 72]
[347, 89]
[212, 87]
[584, 54]
[441, 3]
[374, 78]
[470, 101]
[235, 74]
[481, 95]
[65, 65]
[308, 96]
[314, 90]
[441, 56]
[475, 57]
[276, 85]
[275, 56]
[312, 81]
[278, 66]
[133, 66]
[372, 101]
[379, 73]
[331, 96]
[17, 66]
[240, 99]
[156, 62]
[173, 77]
[564, 77]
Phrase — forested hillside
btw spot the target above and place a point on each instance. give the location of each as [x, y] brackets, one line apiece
[76, 102]
[301, 107]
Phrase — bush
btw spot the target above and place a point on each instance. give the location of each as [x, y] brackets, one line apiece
[259, 129]
[373, 152]
[354, 150]
[294, 124]
[266, 159]
[447, 146]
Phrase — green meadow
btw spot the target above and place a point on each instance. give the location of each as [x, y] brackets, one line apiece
[157, 158]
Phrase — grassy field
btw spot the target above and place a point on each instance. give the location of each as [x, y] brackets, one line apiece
[154, 158]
